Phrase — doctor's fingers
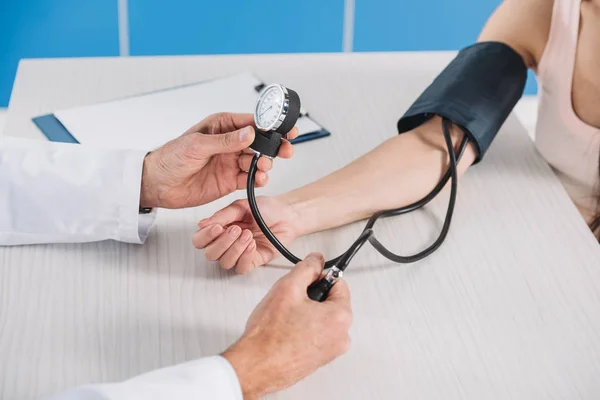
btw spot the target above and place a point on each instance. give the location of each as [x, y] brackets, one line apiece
[286, 150]
[293, 134]
[264, 164]
[260, 179]
[222, 122]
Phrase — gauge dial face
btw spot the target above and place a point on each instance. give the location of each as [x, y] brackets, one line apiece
[269, 108]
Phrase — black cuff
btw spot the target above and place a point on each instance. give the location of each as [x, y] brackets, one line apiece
[477, 91]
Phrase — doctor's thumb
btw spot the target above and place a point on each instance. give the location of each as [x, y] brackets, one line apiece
[228, 142]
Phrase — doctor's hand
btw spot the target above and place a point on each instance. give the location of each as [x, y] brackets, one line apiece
[232, 237]
[289, 336]
[207, 162]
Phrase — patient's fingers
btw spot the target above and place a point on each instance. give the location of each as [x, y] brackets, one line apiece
[219, 246]
[249, 259]
[205, 236]
[231, 256]
[232, 213]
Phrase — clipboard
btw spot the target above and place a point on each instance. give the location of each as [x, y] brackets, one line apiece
[149, 120]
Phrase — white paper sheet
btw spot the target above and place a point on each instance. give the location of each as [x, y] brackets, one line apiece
[146, 122]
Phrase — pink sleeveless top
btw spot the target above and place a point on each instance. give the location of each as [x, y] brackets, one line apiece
[569, 145]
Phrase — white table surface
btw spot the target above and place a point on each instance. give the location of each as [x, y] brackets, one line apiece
[508, 308]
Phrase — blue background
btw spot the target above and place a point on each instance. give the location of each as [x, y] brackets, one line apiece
[85, 28]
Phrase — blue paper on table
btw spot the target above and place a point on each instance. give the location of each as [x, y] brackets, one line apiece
[149, 120]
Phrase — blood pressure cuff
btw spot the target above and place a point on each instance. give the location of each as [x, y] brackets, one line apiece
[477, 92]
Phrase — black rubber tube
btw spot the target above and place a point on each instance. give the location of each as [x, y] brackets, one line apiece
[367, 235]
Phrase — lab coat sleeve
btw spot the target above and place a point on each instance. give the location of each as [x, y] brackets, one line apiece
[204, 379]
[58, 192]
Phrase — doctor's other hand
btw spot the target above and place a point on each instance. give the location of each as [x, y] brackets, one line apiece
[207, 162]
[289, 336]
[232, 237]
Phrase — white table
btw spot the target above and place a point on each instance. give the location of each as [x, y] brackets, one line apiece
[509, 307]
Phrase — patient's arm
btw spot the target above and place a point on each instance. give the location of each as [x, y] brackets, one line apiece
[405, 168]
[400, 171]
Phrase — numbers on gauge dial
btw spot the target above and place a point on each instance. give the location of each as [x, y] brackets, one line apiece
[270, 107]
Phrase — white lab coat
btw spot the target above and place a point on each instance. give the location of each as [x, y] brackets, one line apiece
[52, 193]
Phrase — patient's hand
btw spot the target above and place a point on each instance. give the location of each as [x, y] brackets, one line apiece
[232, 237]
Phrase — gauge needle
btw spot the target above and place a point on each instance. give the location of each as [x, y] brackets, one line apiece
[263, 113]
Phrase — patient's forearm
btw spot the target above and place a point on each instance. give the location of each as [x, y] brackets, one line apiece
[399, 172]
